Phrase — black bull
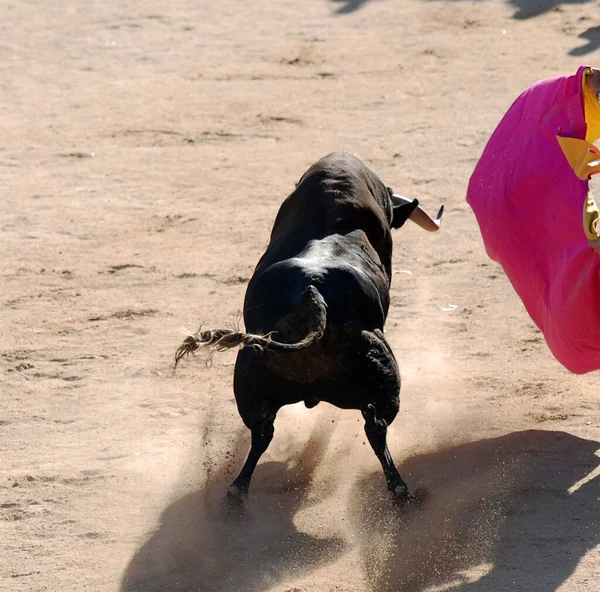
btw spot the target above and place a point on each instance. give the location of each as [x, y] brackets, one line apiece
[315, 308]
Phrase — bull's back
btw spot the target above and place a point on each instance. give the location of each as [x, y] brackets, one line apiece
[337, 195]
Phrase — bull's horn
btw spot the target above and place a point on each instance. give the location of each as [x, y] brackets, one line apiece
[421, 217]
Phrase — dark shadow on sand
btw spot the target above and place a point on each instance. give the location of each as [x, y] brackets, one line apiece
[348, 6]
[527, 9]
[204, 544]
[593, 42]
[501, 514]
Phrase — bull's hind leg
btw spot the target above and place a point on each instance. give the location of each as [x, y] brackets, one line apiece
[262, 433]
[381, 406]
[376, 431]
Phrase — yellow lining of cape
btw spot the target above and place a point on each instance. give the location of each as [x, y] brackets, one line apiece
[591, 213]
[584, 157]
[592, 109]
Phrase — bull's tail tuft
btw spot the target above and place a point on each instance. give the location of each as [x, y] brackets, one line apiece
[219, 340]
[311, 308]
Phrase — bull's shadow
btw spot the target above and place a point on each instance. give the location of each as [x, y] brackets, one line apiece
[512, 513]
[205, 545]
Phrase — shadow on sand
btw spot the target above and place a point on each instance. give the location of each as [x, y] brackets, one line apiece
[205, 544]
[349, 6]
[593, 42]
[512, 513]
[526, 9]
[531, 8]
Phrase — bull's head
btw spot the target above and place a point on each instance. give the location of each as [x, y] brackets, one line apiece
[404, 208]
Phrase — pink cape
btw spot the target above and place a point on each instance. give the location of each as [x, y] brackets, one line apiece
[529, 206]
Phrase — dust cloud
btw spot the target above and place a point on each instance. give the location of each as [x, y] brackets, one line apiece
[492, 512]
[490, 507]
[205, 543]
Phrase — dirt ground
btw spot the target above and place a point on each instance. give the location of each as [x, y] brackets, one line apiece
[145, 149]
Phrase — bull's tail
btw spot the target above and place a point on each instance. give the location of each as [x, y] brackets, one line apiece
[311, 312]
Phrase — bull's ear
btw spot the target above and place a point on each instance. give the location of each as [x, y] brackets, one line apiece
[401, 212]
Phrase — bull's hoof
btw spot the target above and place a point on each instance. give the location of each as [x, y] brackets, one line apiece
[234, 501]
[401, 497]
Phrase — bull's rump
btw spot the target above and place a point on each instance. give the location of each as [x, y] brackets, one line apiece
[343, 268]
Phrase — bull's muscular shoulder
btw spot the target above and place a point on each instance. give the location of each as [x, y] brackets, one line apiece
[340, 179]
[338, 194]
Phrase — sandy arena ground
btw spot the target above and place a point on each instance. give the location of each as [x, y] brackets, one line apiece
[145, 149]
